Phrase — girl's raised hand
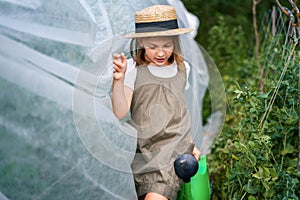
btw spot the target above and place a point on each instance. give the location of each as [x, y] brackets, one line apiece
[120, 65]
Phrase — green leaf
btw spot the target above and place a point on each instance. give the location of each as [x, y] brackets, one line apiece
[263, 96]
[266, 185]
[251, 198]
[288, 149]
[292, 120]
[238, 92]
[257, 175]
[266, 171]
[253, 159]
[234, 157]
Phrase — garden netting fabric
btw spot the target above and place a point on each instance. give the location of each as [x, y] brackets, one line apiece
[59, 137]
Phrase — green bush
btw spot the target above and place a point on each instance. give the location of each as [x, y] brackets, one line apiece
[256, 155]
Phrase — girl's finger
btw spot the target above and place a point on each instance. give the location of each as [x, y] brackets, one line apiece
[123, 58]
[196, 153]
[117, 62]
[117, 68]
[116, 56]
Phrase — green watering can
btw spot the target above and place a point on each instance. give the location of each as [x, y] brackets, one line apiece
[199, 186]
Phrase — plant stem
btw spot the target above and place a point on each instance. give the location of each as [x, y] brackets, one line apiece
[261, 70]
[268, 110]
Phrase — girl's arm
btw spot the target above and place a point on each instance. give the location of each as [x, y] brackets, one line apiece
[121, 95]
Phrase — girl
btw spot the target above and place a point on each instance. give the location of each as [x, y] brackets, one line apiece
[152, 87]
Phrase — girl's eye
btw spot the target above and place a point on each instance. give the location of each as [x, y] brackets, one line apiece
[154, 46]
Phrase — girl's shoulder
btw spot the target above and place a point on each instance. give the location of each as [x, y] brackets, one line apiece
[130, 65]
[130, 75]
[187, 65]
[187, 72]
[187, 68]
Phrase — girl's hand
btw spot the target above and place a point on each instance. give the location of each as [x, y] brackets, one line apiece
[120, 65]
[196, 153]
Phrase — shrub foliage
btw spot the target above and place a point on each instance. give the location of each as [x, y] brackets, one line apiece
[256, 155]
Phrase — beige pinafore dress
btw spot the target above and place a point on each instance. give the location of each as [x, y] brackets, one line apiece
[160, 115]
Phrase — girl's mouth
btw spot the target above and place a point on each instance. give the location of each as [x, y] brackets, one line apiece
[160, 60]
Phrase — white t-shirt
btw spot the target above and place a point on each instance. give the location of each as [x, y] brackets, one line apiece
[162, 72]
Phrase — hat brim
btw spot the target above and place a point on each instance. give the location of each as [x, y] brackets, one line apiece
[172, 32]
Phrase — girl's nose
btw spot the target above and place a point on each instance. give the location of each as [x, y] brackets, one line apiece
[160, 52]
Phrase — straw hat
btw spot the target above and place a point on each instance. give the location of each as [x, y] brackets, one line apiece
[157, 20]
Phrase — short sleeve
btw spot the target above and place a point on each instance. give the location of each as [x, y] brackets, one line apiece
[130, 75]
[188, 69]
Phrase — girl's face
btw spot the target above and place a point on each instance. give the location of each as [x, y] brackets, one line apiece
[158, 49]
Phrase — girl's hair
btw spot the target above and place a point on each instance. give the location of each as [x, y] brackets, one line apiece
[138, 53]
